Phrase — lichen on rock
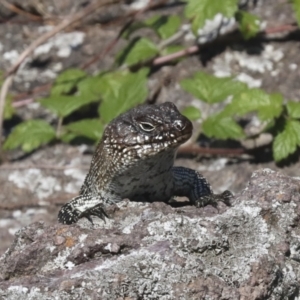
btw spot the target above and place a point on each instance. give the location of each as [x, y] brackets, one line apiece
[250, 250]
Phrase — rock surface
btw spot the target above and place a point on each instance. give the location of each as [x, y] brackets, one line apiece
[154, 251]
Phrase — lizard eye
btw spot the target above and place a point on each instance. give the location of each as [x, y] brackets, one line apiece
[146, 126]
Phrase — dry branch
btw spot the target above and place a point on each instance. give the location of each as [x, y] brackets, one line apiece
[64, 24]
[94, 6]
[195, 149]
[19, 11]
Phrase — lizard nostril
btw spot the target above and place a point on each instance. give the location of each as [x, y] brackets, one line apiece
[179, 125]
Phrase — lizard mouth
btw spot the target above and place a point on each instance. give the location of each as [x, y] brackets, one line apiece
[186, 132]
[183, 138]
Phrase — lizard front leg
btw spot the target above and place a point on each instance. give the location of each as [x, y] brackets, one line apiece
[82, 206]
[192, 184]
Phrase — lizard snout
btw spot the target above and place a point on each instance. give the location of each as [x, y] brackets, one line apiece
[183, 125]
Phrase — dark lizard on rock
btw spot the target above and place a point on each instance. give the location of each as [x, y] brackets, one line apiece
[134, 160]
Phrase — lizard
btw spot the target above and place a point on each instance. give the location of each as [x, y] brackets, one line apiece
[134, 159]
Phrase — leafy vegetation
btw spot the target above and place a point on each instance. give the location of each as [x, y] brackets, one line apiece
[200, 11]
[114, 91]
[296, 7]
[30, 135]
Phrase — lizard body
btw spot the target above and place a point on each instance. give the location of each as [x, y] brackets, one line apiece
[134, 160]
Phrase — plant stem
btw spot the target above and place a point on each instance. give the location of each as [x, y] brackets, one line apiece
[58, 128]
[3, 93]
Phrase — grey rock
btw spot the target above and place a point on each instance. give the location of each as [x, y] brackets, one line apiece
[250, 250]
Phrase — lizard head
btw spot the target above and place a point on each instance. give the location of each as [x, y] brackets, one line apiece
[147, 130]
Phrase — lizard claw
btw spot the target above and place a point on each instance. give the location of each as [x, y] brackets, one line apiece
[97, 211]
[69, 215]
[213, 199]
[225, 197]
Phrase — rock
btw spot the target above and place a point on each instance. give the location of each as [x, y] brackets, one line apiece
[250, 250]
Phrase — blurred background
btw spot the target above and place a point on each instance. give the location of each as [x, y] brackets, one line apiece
[69, 67]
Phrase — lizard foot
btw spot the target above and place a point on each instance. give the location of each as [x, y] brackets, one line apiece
[97, 211]
[213, 199]
[68, 214]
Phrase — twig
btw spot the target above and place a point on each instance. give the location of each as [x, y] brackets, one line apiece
[19, 11]
[162, 59]
[4, 89]
[195, 149]
[18, 22]
[108, 48]
[65, 23]
[42, 167]
[166, 58]
[133, 15]
[59, 126]
[281, 28]
[35, 203]
[36, 90]
[27, 205]
[196, 48]
[171, 39]
[23, 102]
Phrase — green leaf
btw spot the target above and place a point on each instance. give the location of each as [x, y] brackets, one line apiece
[165, 26]
[66, 81]
[30, 135]
[90, 128]
[273, 109]
[295, 125]
[212, 89]
[200, 11]
[286, 142]
[111, 83]
[172, 49]
[132, 28]
[65, 105]
[123, 90]
[268, 106]
[222, 127]
[249, 24]
[170, 27]
[191, 113]
[293, 109]
[8, 108]
[156, 21]
[67, 137]
[138, 50]
[90, 88]
[296, 7]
